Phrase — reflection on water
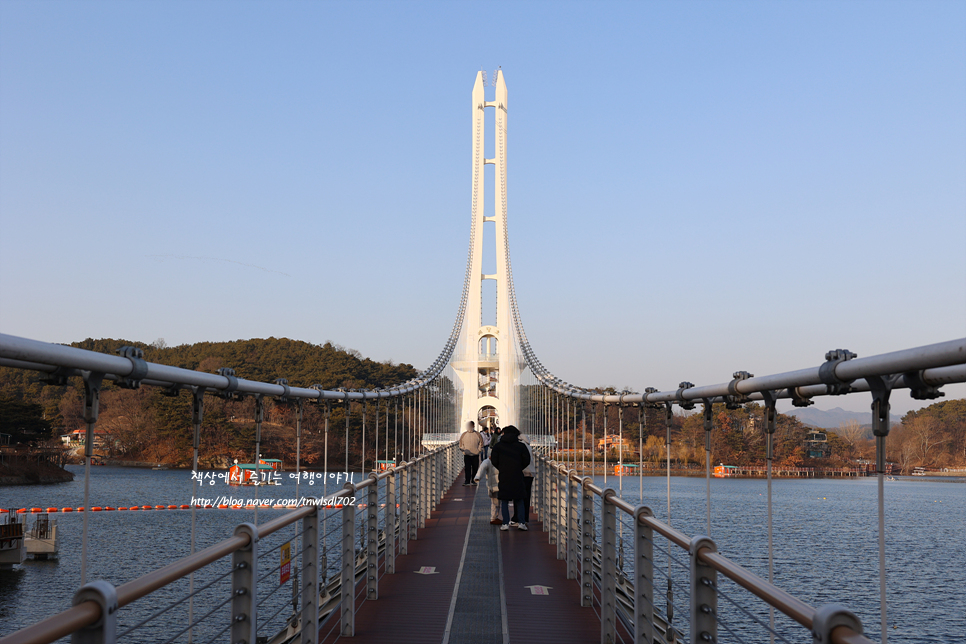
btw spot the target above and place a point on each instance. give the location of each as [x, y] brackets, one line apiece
[825, 542]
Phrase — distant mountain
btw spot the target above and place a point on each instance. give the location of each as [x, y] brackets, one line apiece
[832, 418]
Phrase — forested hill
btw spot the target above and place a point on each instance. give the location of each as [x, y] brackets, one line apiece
[33, 411]
[301, 363]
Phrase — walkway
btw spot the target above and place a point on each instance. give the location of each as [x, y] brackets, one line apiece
[489, 570]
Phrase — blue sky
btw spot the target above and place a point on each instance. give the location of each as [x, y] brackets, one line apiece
[694, 188]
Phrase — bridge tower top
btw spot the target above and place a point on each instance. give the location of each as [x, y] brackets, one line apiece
[488, 362]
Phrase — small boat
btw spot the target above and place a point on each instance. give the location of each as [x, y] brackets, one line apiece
[725, 471]
[160, 467]
[249, 474]
[890, 478]
[918, 471]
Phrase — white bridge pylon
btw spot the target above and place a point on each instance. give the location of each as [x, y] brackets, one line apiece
[488, 360]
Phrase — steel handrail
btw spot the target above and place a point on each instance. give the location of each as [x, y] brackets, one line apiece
[57, 626]
[25, 353]
[938, 364]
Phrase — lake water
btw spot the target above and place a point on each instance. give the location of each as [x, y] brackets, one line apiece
[825, 544]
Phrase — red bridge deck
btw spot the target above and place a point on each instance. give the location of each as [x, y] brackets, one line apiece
[414, 607]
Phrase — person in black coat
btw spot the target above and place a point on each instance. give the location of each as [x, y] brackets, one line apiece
[510, 457]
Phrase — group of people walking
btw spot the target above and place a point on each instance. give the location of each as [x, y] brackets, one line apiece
[507, 470]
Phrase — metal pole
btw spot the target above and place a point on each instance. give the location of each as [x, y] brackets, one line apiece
[561, 524]
[643, 576]
[881, 389]
[708, 414]
[704, 596]
[593, 439]
[668, 414]
[348, 618]
[259, 414]
[365, 411]
[413, 518]
[310, 577]
[92, 394]
[197, 414]
[587, 530]
[770, 416]
[325, 457]
[372, 538]
[390, 521]
[605, 444]
[244, 595]
[608, 569]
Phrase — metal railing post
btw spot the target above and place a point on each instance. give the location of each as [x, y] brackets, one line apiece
[404, 512]
[537, 483]
[348, 605]
[608, 569]
[310, 577]
[244, 615]
[546, 497]
[552, 519]
[704, 596]
[587, 528]
[434, 480]
[372, 539]
[573, 526]
[643, 576]
[104, 630]
[413, 500]
[423, 491]
[562, 483]
[391, 523]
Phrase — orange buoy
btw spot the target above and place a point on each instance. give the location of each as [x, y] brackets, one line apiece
[107, 507]
[80, 509]
[236, 507]
[134, 507]
[185, 507]
[122, 508]
[159, 507]
[338, 506]
[208, 506]
[36, 510]
[52, 509]
[222, 506]
[67, 509]
[96, 508]
[146, 507]
[22, 511]
[172, 507]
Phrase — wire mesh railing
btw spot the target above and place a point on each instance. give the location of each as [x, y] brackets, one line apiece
[269, 583]
[625, 559]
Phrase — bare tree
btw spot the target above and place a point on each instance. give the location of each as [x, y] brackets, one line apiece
[925, 432]
[128, 419]
[851, 432]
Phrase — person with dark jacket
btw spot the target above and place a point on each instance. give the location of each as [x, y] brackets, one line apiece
[510, 457]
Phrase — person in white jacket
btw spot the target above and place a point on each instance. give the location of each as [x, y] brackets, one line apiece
[492, 487]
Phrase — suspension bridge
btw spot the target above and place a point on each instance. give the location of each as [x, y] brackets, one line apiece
[408, 554]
